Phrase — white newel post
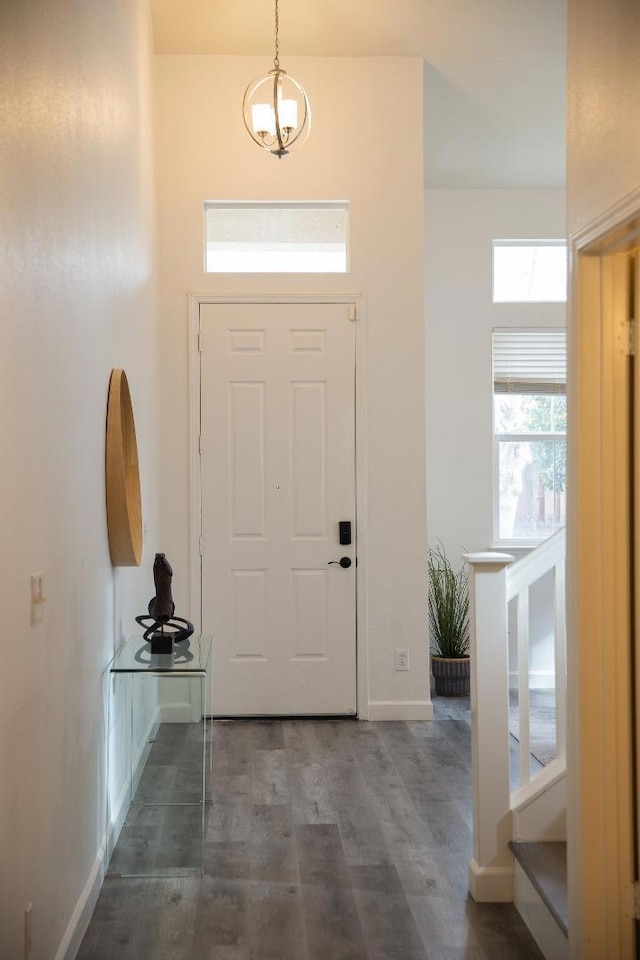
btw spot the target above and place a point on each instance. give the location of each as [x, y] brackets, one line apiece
[491, 869]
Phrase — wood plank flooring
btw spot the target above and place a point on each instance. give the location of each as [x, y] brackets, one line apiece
[325, 840]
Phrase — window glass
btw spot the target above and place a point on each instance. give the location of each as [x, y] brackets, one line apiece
[518, 413]
[532, 465]
[529, 427]
[529, 271]
[272, 237]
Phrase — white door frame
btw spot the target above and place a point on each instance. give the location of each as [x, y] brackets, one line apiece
[600, 710]
[358, 302]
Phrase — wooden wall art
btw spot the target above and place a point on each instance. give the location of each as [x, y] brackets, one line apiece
[124, 508]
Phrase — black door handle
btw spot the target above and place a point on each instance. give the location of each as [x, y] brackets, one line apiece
[343, 561]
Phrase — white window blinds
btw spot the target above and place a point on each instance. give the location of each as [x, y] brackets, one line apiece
[530, 360]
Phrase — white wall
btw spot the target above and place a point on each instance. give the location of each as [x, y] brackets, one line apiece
[77, 292]
[460, 316]
[365, 147]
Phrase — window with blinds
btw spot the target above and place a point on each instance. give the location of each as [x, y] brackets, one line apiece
[530, 423]
[530, 361]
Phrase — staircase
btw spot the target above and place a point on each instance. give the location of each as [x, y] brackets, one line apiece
[519, 805]
[540, 893]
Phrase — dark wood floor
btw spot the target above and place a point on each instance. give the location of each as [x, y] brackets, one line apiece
[327, 840]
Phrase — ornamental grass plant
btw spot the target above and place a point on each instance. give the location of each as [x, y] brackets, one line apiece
[448, 606]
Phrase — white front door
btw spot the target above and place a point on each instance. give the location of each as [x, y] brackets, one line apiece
[278, 476]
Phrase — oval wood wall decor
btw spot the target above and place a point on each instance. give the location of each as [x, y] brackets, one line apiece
[124, 508]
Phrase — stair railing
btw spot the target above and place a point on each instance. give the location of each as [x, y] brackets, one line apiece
[494, 582]
[547, 559]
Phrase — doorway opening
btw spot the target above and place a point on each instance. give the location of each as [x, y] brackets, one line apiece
[277, 467]
[604, 579]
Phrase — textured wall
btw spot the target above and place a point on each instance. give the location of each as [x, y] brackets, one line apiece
[603, 107]
[77, 298]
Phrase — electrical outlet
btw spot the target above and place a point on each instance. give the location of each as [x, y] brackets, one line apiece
[28, 920]
[402, 659]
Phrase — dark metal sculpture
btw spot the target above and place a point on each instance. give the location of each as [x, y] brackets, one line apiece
[162, 628]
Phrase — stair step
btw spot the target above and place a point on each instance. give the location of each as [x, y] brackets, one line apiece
[545, 864]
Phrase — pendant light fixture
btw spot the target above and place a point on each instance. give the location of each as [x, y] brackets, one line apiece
[275, 108]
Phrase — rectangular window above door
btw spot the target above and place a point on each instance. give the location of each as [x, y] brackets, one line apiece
[276, 237]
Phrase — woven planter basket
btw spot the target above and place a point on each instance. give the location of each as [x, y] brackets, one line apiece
[452, 676]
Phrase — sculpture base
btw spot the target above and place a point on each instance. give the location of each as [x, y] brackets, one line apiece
[161, 643]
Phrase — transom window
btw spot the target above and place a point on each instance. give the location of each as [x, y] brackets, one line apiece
[276, 237]
[530, 425]
[529, 271]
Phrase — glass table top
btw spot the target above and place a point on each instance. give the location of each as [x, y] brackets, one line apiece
[191, 657]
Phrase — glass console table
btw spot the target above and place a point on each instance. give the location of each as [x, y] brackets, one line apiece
[157, 771]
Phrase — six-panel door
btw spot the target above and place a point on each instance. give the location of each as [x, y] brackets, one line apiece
[278, 475]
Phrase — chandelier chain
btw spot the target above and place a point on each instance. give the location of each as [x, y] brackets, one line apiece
[276, 59]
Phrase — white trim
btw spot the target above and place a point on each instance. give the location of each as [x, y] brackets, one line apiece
[550, 553]
[548, 676]
[116, 820]
[543, 815]
[611, 231]
[538, 919]
[490, 884]
[177, 713]
[400, 710]
[83, 910]
[195, 502]
[362, 571]
[359, 300]
[81, 916]
[527, 793]
[600, 789]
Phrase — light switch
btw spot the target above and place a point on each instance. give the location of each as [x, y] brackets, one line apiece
[38, 598]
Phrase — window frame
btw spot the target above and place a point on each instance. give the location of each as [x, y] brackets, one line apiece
[343, 205]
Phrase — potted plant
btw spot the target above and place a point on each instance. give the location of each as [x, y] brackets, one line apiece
[448, 624]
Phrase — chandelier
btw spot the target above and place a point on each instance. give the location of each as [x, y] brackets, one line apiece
[275, 108]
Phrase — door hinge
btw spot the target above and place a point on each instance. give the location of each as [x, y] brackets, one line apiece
[199, 341]
[353, 311]
[201, 545]
[629, 338]
[200, 443]
[636, 900]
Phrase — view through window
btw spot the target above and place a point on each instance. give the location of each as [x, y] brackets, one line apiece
[530, 425]
[276, 237]
[529, 271]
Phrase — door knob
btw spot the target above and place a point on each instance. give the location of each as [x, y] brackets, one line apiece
[343, 561]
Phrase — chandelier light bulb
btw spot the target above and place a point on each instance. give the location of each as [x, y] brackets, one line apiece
[276, 110]
[263, 120]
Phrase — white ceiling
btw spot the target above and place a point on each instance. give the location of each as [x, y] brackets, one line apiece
[494, 69]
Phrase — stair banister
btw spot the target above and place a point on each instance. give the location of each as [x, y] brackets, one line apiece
[491, 868]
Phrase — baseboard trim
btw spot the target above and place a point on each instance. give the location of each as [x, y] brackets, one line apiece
[176, 713]
[490, 884]
[400, 710]
[539, 679]
[116, 820]
[77, 926]
[83, 911]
